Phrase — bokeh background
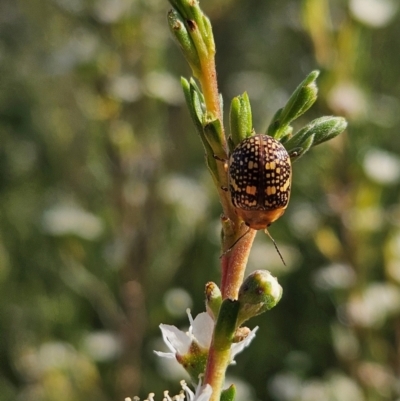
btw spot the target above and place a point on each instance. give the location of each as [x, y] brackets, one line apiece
[110, 222]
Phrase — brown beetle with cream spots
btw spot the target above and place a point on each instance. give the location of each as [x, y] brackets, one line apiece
[260, 175]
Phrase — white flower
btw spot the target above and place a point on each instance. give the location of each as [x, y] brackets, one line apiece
[178, 342]
[200, 332]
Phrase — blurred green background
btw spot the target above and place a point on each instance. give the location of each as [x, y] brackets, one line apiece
[110, 222]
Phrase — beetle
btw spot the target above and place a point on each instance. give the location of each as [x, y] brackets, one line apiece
[260, 176]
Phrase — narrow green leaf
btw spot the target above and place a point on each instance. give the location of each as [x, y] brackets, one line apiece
[285, 137]
[328, 127]
[194, 104]
[322, 129]
[231, 145]
[229, 394]
[274, 126]
[301, 100]
[299, 137]
[241, 122]
[198, 27]
[184, 7]
[208, 34]
[178, 27]
[296, 153]
[226, 324]
[214, 134]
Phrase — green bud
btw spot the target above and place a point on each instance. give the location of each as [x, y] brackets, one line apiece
[259, 292]
[179, 29]
[213, 299]
[241, 124]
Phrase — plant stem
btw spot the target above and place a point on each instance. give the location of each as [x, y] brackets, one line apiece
[209, 85]
[233, 263]
[217, 363]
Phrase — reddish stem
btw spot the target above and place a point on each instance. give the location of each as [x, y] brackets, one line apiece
[233, 266]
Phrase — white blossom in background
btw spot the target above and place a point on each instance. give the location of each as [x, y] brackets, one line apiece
[381, 166]
[189, 198]
[334, 276]
[102, 346]
[125, 88]
[374, 305]
[70, 219]
[374, 13]
[177, 301]
[349, 99]
[164, 86]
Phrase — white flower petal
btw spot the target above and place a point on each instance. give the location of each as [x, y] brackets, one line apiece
[239, 347]
[202, 329]
[203, 393]
[169, 355]
[176, 340]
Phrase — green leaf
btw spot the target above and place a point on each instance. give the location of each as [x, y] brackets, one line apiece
[197, 25]
[241, 122]
[187, 8]
[179, 29]
[301, 100]
[296, 153]
[328, 128]
[231, 145]
[229, 394]
[318, 131]
[213, 132]
[226, 324]
[194, 103]
[274, 126]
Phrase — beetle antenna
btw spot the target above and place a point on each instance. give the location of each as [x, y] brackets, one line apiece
[233, 245]
[275, 245]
